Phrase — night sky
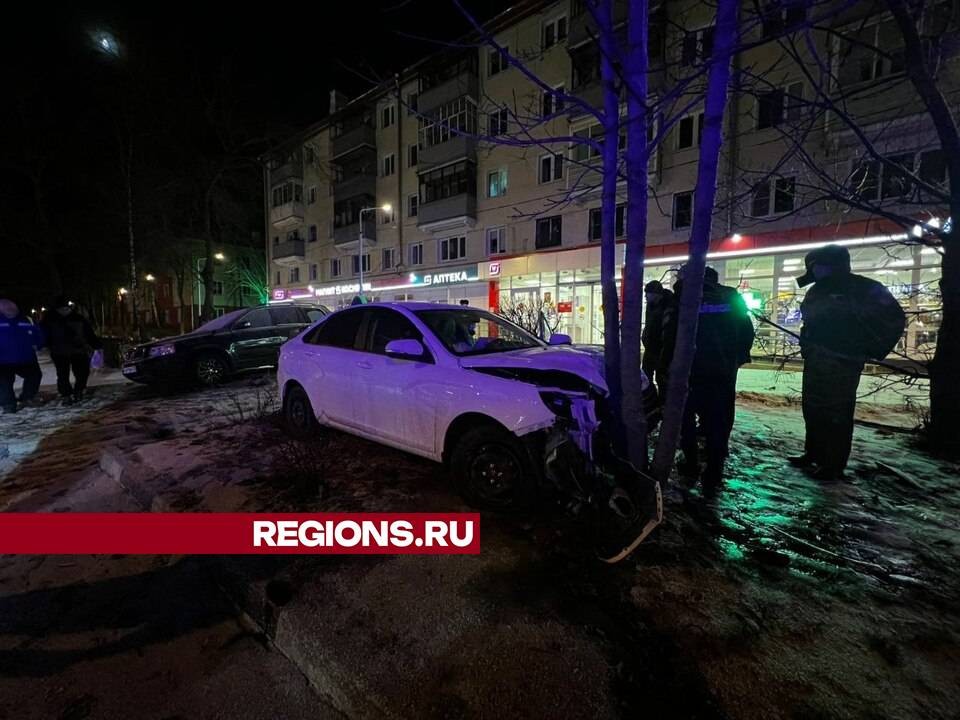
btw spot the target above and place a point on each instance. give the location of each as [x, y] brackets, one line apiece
[66, 108]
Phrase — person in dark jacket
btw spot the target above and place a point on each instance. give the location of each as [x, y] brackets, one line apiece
[724, 338]
[847, 319]
[660, 308]
[72, 341]
[19, 341]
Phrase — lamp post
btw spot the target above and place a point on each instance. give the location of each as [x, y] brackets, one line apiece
[386, 207]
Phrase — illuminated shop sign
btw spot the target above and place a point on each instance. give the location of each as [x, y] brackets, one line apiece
[453, 276]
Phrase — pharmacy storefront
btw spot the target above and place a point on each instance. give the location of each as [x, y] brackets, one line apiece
[566, 284]
[441, 285]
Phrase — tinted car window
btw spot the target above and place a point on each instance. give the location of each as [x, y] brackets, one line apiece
[258, 318]
[313, 314]
[387, 325]
[339, 330]
[286, 316]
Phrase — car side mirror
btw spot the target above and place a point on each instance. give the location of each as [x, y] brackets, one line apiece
[408, 349]
[560, 339]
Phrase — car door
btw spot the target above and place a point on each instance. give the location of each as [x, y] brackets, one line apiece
[396, 401]
[288, 321]
[328, 370]
[254, 339]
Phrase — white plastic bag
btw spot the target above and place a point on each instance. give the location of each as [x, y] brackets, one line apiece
[96, 360]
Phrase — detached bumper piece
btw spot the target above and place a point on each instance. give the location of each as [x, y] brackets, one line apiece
[619, 505]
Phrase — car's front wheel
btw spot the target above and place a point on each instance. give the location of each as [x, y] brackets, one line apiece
[210, 369]
[492, 469]
[298, 413]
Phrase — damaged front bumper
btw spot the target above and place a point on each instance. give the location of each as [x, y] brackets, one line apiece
[621, 504]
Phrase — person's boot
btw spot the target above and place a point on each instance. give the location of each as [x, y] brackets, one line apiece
[712, 478]
[800, 461]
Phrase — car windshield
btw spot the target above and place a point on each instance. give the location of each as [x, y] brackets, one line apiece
[475, 332]
[224, 321]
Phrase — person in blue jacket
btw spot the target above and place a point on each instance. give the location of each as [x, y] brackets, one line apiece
[19, 341]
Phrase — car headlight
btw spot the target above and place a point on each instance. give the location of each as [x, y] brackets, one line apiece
[557, 402]
[161, 350]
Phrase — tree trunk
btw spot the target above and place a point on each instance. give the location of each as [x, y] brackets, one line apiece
[637, 159]
[603, 14]
[704, 196]
[137, 329]
[945, 366]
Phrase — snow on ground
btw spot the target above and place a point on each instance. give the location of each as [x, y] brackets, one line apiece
[782, 597]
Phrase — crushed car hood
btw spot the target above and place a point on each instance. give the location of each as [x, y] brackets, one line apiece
[544, 361]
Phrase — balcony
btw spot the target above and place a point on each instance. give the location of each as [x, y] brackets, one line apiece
[465, 83]
[285, 172]
[348, 236]
[448, 213]
[583, 28]
[458, 147]
[289, 252]
[286, 215]
[357, 184]
[359, 136]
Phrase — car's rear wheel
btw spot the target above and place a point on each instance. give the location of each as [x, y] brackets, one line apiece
[298, 415]
[210, 369]
[492, 469]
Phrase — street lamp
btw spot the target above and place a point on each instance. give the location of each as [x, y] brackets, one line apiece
[219, 256]
[386, 207]
[149, 277]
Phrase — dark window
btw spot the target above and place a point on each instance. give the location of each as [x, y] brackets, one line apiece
[760, 206]
[384, 326]
[258, 318]
[896, 183]
[784, 194]
[497, 61]
[690, 131]
[769, 109]
[339, 330]
[313, 314]
[933, 167]
[865, 180]
[457, 179]
[682, 210]
[697, 46]
[780, 17]
[286, 316]
[549, 231]
[551, 168]
[498, 122]
[596, 220]
[412, 101]
[312, 234]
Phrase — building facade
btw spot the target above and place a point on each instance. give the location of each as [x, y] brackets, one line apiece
[475, 218]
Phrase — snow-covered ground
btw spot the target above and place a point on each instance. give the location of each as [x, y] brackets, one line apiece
[781, 598]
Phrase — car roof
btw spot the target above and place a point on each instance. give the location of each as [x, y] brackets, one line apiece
[414, 306]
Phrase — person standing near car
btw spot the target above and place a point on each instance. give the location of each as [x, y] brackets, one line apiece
[19, 341]
[724, 338]
[660, 309]
[847, 319]
[72, 342]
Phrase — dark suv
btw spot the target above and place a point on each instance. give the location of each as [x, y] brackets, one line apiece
[244, 339]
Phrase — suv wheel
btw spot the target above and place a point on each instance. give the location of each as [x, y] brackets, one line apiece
[210, 369]
[298, 415]
[492, 469]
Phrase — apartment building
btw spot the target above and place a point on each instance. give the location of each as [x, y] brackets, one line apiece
[475, 219]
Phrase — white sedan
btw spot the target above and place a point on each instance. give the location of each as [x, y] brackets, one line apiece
[451, 383]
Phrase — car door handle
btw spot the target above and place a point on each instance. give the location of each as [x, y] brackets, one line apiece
[364, 365]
